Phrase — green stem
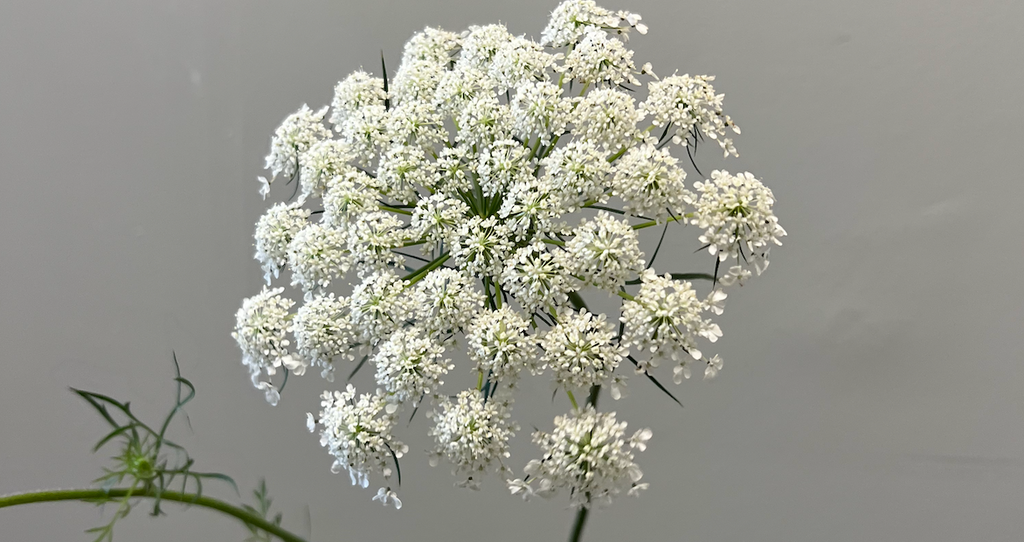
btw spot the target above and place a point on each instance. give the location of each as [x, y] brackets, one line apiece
[643, 225]
[572, 399]
[418, 274]
[394, 210]
[617, 155]
[577, 526]
[186, 498]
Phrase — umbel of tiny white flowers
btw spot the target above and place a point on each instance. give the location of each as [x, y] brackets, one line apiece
[465, 205]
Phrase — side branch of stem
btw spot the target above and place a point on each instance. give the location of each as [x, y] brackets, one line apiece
[191, 499]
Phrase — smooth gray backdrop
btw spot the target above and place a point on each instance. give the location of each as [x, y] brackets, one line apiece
[873, 387]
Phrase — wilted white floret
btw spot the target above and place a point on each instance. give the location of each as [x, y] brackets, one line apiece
[274, 231]
[323, 161]
[323, 332]
[261, 331]
[409, 365]
[317, 255]
[607, 117]
[599, 58]
[664, 320]
[357, 432]
[582, 349]
[385, 494]
[650, 183]
[605, 252]
[689, 102]
[588, 455]
[735, 212]
[445, 301]
[472, 434]
[540, 111]
[296, 135]
[500, 344]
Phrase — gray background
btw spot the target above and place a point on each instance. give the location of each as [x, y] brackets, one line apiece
[873, 381]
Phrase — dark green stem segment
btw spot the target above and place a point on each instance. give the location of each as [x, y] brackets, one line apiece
[577, 526]
[187, 498]
[581, 516]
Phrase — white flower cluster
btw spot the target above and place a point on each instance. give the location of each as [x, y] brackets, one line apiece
[463, 208]
[735, 211]
[587, 455]
[357, 432]
[473, 434]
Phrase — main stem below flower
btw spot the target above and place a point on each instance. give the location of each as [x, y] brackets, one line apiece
[186, 498]
[581, 516]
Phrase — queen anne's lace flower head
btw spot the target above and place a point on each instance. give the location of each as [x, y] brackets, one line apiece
[605, 252]
[472, 434]
[664, 320]
[274, 232]
[651, 183]
[376, 306]
[572, 18]
[588, 455]
[299, 131]
[354, 95]
[409, 366]
[317, 255]
[735, 212]
[582, 349]
[473, 200]
[607, 117]
[501, 345]
[324, 161]
[348, 197]
[261, 331]
[599, 58]
[357, 432]
[540, 111]
[537, 279]
[324, 332]
[688, 104]
[445, 301]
